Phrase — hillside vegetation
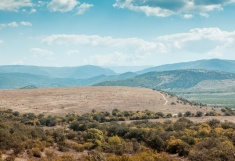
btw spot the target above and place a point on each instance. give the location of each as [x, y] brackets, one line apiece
[92, 136]
[46, 77]
[214, 88]
[178, 79]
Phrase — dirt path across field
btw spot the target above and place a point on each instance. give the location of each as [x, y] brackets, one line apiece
[164, 99]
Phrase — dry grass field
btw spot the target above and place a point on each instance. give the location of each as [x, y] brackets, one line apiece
[80, 100]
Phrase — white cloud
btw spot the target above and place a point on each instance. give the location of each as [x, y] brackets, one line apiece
[164, 8]
[40, 3]
[123, 50]
[15, 24]
[213, 34]
[210, 41]
[148, 10]
[105, 50]
[32, 11]
[41, 52]
[24, 23]
[187, 16]
[14, 5]
[11, 24]
[62, 5]
[1, 41]
[83, 8]
[95, 41]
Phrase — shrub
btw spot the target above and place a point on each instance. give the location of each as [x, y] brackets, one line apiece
[212, 149]
[35, 152]
[50, 154]
[187, 114]
[180, 114]
[199, 114]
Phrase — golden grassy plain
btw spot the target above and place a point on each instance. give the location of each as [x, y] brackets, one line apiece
[61, 101]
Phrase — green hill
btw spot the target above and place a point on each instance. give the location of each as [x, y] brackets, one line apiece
[179, 79]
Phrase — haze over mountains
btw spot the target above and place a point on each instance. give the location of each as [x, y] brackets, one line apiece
[81, 72]
[18, 76]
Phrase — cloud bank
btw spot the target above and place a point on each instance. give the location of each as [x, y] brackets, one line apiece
[164, 8]
[83, 8]
[62, 5]
[68, 5]
[209, 42]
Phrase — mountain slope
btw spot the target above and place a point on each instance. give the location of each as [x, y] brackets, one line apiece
[212, 64]
[181, 79]
[81, 72]
[19, 80]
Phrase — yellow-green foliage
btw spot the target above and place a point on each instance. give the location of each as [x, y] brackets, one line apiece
[140, 140]
[35, 152]
[66, 157]
[143, 156]
[77, 147]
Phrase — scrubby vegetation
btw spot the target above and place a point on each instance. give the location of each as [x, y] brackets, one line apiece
[108, 136]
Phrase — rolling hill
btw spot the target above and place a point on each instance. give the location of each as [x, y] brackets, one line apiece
[161, 77]
[179, 79]
[212, 64]
[61, 101]
[214, 88]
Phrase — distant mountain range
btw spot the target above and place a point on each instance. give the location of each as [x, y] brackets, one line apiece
[25, 80]
[81, 72]
[19, 80]
[212, 64]
[125, 69]
[180, 75]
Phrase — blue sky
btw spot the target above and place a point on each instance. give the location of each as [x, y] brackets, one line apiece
[115, 32]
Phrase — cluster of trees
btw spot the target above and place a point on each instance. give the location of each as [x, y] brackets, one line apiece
[114, 141]
[228, 111]
[101, 117]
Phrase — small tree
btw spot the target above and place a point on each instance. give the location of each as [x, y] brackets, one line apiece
[180, 114]
[187, 114]
[199, 114]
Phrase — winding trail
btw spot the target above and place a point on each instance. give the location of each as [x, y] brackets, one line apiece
[164, 99]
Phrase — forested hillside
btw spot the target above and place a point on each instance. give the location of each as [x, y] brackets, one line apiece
[181, 79]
